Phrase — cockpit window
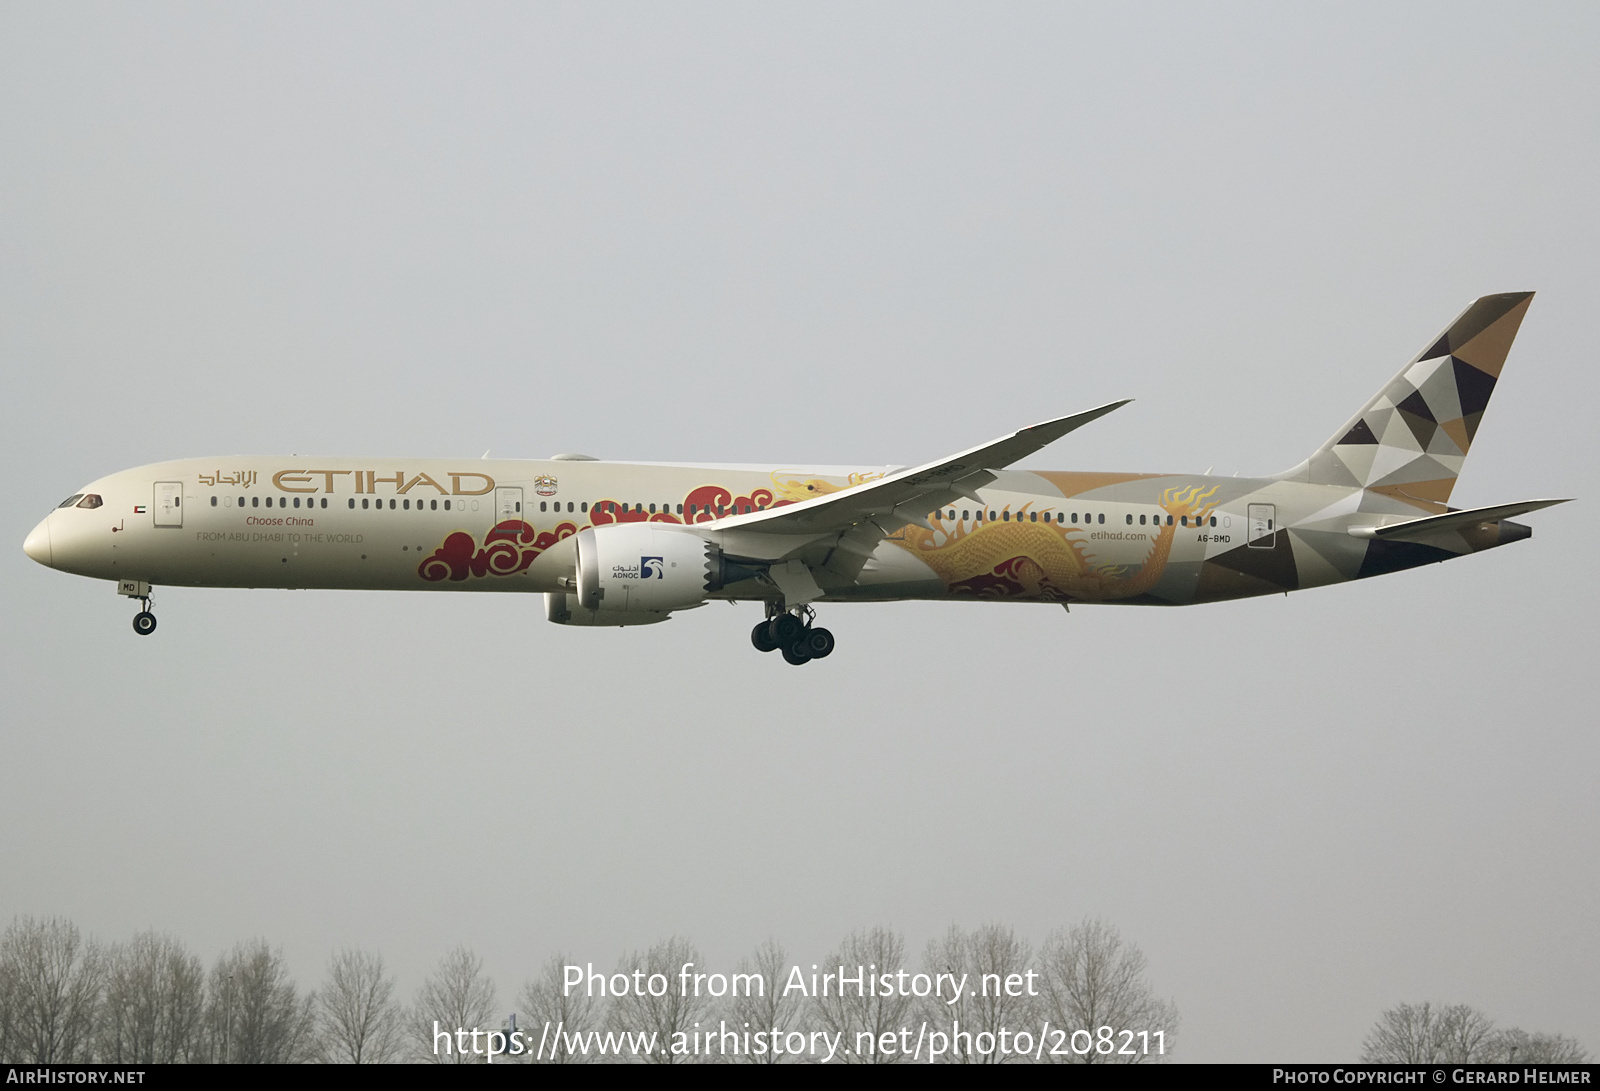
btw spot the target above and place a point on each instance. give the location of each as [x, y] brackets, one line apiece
[71, 500]
[91, 501]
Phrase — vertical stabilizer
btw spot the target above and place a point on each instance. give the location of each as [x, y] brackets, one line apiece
[1411, 439]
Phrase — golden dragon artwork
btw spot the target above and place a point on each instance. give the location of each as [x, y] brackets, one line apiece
[1049, 562]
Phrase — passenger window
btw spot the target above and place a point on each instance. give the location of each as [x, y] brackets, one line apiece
[1213, 520]
[433, 505]
[1141, 520]
[407, 504]
[1102, 518]
[297, 501]
[1130, 519]
[542, 504]
[352, 501]
[680, 509]
[584, 506]
[363, 503]
[447, 505]
[213, 501]
[324, 501]
[391, 505]
[255, 502]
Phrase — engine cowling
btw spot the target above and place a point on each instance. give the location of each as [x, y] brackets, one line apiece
[636, 574]
[642, 568]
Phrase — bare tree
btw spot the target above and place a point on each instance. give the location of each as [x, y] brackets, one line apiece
[254, 1013]
[1459, 1034]
[769, 1013]
[1517, 1046]
[557, 1018]
[53, 978]
[1093, 980]
[458, 996]
[863, 1020]
[358, 1019]
[993, 961]
[1425, 1034]
[673, 1015]
[10, 989]
[154, 1003]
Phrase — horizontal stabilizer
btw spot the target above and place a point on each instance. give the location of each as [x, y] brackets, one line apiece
[1430, 525]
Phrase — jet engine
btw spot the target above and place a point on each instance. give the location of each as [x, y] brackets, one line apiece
[638, 573]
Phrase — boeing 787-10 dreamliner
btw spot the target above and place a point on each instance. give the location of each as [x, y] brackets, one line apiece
[617, 543]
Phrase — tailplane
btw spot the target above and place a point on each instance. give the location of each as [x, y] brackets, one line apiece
[1411, 439]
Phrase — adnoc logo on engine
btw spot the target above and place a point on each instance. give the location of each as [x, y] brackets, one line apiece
[652, 568]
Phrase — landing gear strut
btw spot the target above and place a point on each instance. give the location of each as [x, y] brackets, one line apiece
[144, 622]
[792, 633]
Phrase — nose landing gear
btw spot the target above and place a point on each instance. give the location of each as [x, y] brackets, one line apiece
[792, 633]
[144, 622]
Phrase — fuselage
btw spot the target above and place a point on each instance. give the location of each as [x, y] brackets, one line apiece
[509, 525]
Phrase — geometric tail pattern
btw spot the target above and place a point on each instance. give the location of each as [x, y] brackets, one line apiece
[1412, 438]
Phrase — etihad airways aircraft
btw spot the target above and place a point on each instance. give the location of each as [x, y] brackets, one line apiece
[618, 543]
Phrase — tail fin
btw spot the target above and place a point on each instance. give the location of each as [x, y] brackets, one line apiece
[1412, 438]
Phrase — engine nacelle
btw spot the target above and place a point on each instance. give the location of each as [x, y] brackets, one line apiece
[642, 568]
[638, 573]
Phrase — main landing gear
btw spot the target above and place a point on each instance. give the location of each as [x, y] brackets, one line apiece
[792, 633]
[144, 622]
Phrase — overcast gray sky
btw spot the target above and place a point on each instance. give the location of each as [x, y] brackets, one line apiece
[814, 233]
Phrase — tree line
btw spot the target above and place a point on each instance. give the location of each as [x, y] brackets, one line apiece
[1458, 1034]
[66, 998]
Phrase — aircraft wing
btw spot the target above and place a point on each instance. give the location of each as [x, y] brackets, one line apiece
[850, 523]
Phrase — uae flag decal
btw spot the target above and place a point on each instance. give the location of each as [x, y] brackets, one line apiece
[140, 509]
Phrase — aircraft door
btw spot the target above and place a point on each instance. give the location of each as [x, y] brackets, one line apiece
[169, 504]
[508, 506]
[1263, 526]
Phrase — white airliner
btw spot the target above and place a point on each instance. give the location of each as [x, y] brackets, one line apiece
[613, 543]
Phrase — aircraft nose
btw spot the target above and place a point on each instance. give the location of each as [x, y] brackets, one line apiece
[37, 544]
